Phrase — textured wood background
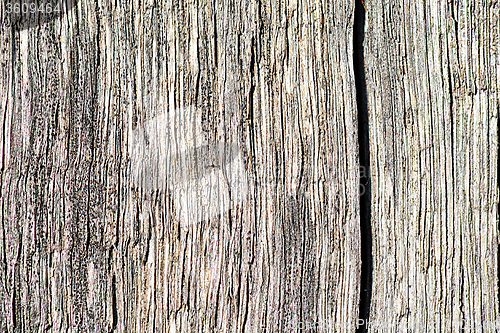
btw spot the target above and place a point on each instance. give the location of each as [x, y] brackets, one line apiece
[84, 248]
[432, 76]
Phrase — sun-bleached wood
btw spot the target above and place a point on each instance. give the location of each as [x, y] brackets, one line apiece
[432, 76]
[83, 248]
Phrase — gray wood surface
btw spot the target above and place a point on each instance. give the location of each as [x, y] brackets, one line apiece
[182, 166]
[87, 246]
[432, 76]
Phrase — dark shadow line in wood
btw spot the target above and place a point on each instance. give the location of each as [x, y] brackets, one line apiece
[364, 162]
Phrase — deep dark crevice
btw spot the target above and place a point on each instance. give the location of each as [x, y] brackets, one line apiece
[114, 306]
[364, 162]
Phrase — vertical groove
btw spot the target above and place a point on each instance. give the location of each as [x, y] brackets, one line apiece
[114, 308]
[364, 162]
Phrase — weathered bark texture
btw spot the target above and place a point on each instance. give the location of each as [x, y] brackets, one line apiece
[84, 249]
[432, 73]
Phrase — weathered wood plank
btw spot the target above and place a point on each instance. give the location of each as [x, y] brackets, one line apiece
[432, 85]
[86, 247]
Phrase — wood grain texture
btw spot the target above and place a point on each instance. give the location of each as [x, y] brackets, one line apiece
[85, 250]
[432, 72]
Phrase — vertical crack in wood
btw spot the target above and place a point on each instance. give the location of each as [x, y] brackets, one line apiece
[364, 164]
[114, 307]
